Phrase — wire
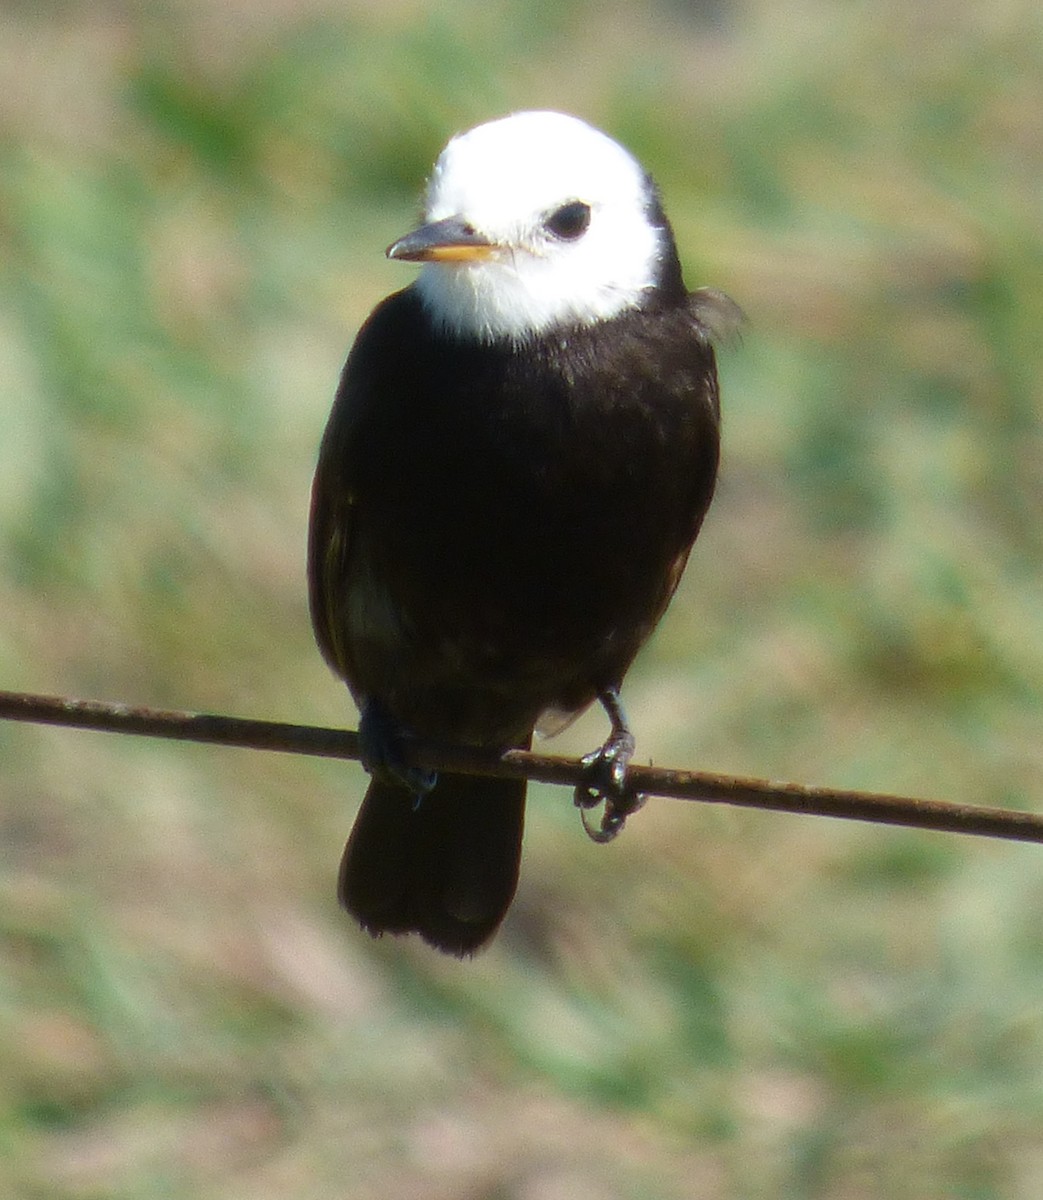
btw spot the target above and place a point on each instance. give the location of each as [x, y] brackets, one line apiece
[938, 815]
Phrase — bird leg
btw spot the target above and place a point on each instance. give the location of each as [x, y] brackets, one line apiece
[605, 775]
[381, 743]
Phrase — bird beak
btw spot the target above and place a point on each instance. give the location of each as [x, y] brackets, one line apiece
[451, 240]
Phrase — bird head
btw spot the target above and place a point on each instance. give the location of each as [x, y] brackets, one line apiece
[534, 222]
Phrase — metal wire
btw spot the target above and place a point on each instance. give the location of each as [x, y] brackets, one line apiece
[701, 786]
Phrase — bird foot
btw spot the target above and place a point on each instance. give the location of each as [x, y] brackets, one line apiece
[381, 743]
[605, 778]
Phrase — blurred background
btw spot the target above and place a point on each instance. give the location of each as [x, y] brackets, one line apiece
[194, 202]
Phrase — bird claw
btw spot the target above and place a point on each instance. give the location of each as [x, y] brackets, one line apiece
[612, 819]
[605, 782]
[381, 744]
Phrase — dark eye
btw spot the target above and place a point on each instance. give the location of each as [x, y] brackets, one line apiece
[570, 221]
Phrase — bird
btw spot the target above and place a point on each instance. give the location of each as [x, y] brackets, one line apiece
[521, 450]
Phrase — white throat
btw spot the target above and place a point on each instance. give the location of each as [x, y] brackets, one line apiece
[491, 301]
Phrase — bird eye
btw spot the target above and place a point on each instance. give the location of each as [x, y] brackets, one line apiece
[570, 221]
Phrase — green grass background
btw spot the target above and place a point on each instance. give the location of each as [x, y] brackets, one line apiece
[194, 201]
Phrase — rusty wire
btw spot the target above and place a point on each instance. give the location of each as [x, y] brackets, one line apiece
[938, 815]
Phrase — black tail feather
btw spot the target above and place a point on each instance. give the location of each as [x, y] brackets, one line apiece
[445, 866]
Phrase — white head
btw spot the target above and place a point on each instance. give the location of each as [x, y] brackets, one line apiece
[534, 221]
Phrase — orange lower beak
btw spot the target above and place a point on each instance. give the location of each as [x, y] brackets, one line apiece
[449, 240]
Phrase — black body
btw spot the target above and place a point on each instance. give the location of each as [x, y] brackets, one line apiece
[496, 529]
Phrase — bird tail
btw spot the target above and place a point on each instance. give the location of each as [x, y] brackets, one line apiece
[445, 866]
